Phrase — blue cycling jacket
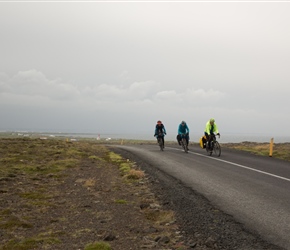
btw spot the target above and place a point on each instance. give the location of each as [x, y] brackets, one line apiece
[183, 129]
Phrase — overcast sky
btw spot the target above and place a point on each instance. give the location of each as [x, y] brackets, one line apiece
[118, 67]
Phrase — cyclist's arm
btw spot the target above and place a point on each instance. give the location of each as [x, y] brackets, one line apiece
[216, 129]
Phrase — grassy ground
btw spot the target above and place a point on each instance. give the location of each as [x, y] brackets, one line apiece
[279, 150]
[59, 194]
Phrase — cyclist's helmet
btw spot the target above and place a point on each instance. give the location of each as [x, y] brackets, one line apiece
[212, 120]
[159, 122]
[183, 122]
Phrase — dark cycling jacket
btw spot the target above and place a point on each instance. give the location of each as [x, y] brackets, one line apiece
[160, 129]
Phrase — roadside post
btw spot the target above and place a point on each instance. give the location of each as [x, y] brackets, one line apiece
[271, 147]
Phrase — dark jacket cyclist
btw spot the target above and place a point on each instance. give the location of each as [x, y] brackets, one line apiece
[160, 131]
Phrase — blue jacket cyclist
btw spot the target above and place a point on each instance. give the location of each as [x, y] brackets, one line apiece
[183, 130]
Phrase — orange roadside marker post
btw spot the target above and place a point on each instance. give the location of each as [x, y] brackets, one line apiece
[271, 147]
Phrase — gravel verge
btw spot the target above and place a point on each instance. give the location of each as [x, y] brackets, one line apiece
[203, 225]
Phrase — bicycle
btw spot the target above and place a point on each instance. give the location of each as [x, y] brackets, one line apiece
[183, 142]
[213, 146]
[160, 141]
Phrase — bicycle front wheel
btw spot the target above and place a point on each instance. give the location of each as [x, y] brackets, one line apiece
[217, 148]
[160, 142]
[184, 144]
[209, 148]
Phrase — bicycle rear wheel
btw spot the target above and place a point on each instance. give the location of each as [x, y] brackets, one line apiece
[217, 148]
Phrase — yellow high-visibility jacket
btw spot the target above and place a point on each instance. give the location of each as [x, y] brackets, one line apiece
[211, 128]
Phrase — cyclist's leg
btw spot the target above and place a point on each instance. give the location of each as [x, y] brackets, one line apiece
[163, 141]
[210, 141]
[178, 137]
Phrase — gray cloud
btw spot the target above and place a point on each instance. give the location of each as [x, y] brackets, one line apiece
[102, 66]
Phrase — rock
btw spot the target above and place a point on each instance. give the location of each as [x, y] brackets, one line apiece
[210, 242]
[163, 239]
[110, 237]
[150, 230]
[143, 206]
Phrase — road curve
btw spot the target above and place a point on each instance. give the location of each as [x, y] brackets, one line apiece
[253, 189]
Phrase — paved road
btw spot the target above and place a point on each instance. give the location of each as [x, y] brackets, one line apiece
[254, 189]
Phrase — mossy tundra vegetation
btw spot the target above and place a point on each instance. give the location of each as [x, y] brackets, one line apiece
[59, 194]
[62, 194]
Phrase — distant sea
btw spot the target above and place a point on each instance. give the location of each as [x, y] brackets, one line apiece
[225, 138]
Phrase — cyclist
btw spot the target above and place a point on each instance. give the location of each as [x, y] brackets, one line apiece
[182, 129]
[210, 129]
[159, 128]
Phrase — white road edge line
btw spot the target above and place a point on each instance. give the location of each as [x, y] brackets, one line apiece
[238, 165]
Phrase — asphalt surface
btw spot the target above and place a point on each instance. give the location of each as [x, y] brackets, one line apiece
[252, 189]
